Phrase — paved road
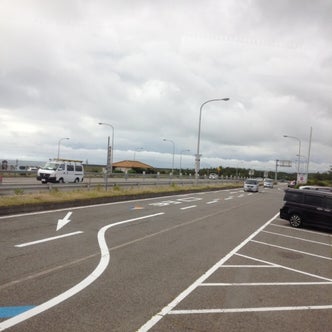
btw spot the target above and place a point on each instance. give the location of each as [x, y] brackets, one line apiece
[217, 261]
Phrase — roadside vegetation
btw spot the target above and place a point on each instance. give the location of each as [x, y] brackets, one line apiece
[56, 196]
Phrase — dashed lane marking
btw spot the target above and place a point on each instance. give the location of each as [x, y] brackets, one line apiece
[47, 239]
[188, 207]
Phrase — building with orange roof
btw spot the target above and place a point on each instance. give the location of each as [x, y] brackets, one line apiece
[129, 165]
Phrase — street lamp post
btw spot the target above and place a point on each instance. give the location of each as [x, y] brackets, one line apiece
[61, 139]
[198, 156]
[169, 140]
[299, 155]
[186, 150]
[109, 163]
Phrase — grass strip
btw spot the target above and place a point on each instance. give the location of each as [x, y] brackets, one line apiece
[56, 196]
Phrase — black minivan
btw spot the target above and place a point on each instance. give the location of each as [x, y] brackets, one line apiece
[307, 207]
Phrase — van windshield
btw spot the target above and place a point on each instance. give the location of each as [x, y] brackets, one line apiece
[51, 166]
[251, 181]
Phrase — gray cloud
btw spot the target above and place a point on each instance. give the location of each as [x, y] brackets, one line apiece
[146, 67]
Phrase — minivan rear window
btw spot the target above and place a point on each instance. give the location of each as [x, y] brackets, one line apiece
[314, 200]
[293, 197]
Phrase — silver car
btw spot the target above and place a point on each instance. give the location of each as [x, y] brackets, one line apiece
[268, 183]
[251, 185]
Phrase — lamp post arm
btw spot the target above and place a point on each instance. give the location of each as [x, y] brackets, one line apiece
[197, 158]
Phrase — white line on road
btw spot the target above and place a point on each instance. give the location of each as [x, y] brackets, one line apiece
[217, 311]
[290, 249]
[214, 201]
[188, 207]
[284, 267]
[301, 230]
[103, 263]
[47, 239]
[309, 283]
[298, 238]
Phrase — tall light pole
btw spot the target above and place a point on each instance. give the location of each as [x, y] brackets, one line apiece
[186, 150]
[169, 140]
[198, 156]
[109, 163]
[309, 151]
[112, 147]
[299, 155]
[61, 139]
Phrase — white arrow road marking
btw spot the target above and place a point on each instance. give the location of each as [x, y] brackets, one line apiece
[64, 221]
[101, 267]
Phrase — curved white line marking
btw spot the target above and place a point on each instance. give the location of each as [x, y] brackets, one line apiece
[104, 260]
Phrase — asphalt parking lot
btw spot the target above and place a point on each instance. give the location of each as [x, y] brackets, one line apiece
[280, 278]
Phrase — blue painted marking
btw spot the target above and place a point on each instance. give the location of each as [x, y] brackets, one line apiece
[6, 312]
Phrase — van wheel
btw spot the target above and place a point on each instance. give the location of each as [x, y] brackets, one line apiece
[295, 220]
[61, 180]
[77, 180]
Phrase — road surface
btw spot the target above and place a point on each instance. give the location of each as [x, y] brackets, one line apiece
[216, 261]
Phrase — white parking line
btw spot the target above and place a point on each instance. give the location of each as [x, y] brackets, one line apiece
[303, 230]
[169, 308]
[219, 311]
[223, 284]
[290, 249]
[298, 238]
[285, 267]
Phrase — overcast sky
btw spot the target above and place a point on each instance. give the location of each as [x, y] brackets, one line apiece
[146, 67]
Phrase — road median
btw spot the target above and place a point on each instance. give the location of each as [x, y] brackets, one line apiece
[17, 204]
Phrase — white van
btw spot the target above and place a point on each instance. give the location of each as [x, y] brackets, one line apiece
[61, 170]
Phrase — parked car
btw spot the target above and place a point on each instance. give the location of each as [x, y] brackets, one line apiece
[321, 188]
[251, 185]
[307, 207]
[213, 176]
[268, 183]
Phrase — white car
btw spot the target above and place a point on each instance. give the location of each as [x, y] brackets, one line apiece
[319, 188]
[213, 176]
[268, 183]
[251, 185]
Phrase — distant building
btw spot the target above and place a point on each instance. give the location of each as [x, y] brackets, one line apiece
[131, 165]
